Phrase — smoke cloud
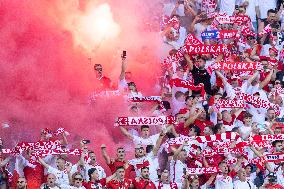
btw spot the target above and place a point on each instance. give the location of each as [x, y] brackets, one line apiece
[47, 52]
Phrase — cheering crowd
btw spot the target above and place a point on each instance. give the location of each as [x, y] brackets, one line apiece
[217, 122]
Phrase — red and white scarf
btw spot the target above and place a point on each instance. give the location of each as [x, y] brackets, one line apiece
[186, 84]
[138, 121]
[240, 66]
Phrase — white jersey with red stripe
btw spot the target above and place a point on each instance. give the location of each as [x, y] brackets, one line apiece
[176, 169]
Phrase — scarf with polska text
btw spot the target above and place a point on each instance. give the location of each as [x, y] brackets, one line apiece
[146, 99]
[138, 121]
[237, 66]
[186, 84]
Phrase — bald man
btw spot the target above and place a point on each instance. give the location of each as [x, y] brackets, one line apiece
[50, 184]
[22, 183]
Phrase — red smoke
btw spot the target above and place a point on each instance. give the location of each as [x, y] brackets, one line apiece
[46, 76]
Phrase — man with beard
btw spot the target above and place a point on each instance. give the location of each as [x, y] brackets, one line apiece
[147, 160]
[93, 164]
[104, 83]
[22, 183]
[118, 161]
[199, 73]
[118, 181]
[50, 184]
[59, 172]
[242, 183]
[144, 181]
[224, 180]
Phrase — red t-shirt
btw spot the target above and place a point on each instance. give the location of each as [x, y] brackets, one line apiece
[143, 184]
[181, 130]
[116, 163]
[276, 186]
[97, 184]
[202, 124]
[114, 184]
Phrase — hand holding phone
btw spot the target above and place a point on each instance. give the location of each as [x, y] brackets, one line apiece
[86, 141]
[123, 54]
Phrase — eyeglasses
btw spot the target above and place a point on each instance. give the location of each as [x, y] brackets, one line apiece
[79, 179]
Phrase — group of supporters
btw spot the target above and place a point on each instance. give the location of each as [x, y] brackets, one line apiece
[221, 87]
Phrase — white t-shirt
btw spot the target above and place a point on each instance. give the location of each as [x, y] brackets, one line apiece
[152, 140]
[223, 183]
[176, 170]
[135, 162]
[250, 11]
[153, 166]
[244, 185]
[61, 176]
[55, 187]
[264, 6]
[71, 187]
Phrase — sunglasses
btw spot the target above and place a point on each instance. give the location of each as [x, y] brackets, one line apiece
[20, 181]
[121, 151]
[79, 179]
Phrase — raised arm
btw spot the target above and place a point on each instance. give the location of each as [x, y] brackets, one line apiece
[210, 180]
[104, 153]
[123, 69]
[189, 62]
[177, 152]
[192, 118]
[251, 78]
[126, 133]
[43, 163]
[158, 143]
[266, 80]
[111, 177]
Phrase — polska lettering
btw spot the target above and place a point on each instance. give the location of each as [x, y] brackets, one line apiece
[241, 66]
[146, 99]
[204, 49]
[162, 120]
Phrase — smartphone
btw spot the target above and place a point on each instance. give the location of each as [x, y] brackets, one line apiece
[123, 54]
[86, 141]
[237, 7]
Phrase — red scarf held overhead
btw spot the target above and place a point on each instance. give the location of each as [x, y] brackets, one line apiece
[186, 84]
